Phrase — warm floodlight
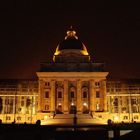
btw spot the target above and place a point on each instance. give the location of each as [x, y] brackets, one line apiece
[84, 104]
[72, 104]
[116, 119]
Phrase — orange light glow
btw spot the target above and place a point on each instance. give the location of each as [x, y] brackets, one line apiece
[84, 52]
[116, 119]
[57, 52]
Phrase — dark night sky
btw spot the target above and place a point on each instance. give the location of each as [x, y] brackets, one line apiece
[30, 32]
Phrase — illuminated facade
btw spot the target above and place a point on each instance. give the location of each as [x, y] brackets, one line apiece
[18, 100]
[71, 82]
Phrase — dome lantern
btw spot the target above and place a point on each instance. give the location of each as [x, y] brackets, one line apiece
[71, 46]
[71, 33]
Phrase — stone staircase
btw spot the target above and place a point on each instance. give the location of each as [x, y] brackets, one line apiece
[84, 116]
[64, 116]
[67, 119]
[70, 116]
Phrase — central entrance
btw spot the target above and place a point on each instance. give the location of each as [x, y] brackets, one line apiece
[73, 109]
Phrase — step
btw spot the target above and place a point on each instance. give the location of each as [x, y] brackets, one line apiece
[70, 116]
[63, 116]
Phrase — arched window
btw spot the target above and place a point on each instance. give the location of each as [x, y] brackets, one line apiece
[85, 94]
[28, 102]
[59, 94]
[116, 102]
[72, 94]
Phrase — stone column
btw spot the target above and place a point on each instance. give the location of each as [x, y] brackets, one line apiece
[79, 97]
[52, 109]
[109, 104]
[104, 95]
[3, 104]
[130, 108]
[14, 104]
[92, 96]
[34, 104]
[40, 95]
[66, 103]
[119, 104]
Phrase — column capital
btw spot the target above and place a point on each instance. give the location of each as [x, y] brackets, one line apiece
[65, 80]
[79, 82]
[52, 80]
[92, 83]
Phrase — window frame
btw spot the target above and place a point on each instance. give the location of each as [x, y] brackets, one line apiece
[59, 94]
[85, 94]
[47, 95]
[98, 94]
[72, 94]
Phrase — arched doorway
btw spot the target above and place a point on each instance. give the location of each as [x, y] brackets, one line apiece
[85, 108]
[73, 109]
[59, 109]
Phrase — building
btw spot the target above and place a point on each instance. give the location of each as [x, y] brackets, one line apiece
[71, 84]
[124, 100]
[69, 81]
[18, 100]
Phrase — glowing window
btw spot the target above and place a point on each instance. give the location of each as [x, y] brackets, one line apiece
[46, 107]
[8, 118]
[125, 117]
[18, 118]
[136, 117]
[29, 118]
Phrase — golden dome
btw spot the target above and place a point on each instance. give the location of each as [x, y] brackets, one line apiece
[71, 42]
